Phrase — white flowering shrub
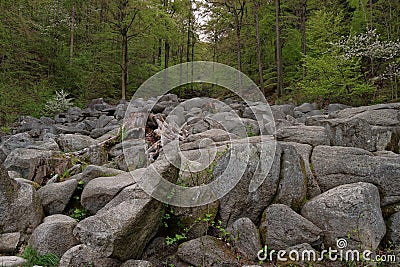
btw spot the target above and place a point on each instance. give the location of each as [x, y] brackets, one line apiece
[368, 45]
[59, 103]
[380, 59]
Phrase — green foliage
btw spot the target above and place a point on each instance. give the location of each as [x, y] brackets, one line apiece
[5, 129]
[324, 27]
[34, 258]
[208, 219]
[331, 77]
[172, 240]
[79, 214]
[35, 59]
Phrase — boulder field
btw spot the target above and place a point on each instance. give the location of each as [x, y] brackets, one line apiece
[71, 185]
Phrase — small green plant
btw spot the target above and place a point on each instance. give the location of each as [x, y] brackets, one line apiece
[34, 258]
[165, 219]
[65, 175]
[222, 232]
[250, 132]
[5, 129]
[208, 218]
[79, 214]
[172, 240]
[79, 190]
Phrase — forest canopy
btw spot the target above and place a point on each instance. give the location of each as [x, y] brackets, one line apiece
[326, 51]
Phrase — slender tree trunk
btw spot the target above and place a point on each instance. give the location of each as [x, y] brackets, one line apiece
[167, 52]
[124, 81]
[193, 44]
[239, 46]
[260, 65]
[71, 43]
[278, 49]
[180, 69]
[188, 39]
[103, 11]
[303, 20]
[159, 51]
[371, 16]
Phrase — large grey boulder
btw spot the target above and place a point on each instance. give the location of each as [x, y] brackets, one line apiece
[20, 207]
[74, 142]
[350, 211]
[350, 132]
[127, 223]
[66, 129]
[245, 237]
[305, 152]
[394, 229]
[83, 256]
[387, 138]
[282, 228]
[336, 107]
[382, 114]
[99, 191]
[45, 145]
[9, 242]
[93, 171]
[54, 235]
[241, 201]
[371, 128]
[11, 261]
[20, 159]
[100, 132]
[206, 251]
[292, 189]
[134, 154]
[137, 263]
[305, 108]
[122, 231]
[286, 109]
[12, 142]
[382, 117]
[334, 166]
[312, 135]
[55, 196]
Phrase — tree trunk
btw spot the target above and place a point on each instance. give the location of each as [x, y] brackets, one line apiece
[103, 11]
[188, 39]
[180, 70]
[71, 43]
[370, 13]
[278, 49]
[193, 43]
[124, 81]
[239, 45]
[260, 65]
[159, 51]
[166, 58]
[303, 20]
